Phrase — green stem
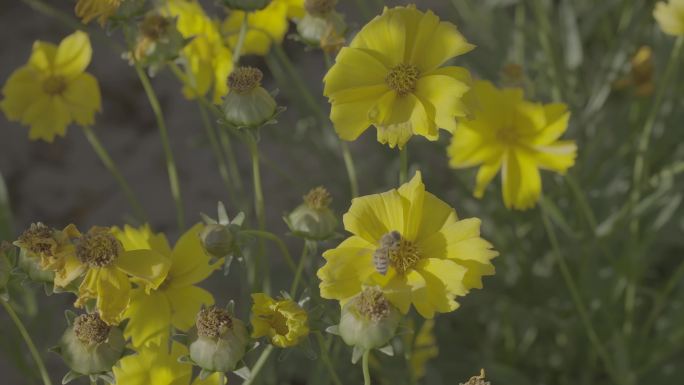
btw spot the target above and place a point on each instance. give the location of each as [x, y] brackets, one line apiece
[366, 371]
[163, 133]
[279, 242]
[256, 369]
[544, 34]
[639, 175]
[240, 41]
[232, 160]
[300, 268]
[215, 147]
[326, 358]
[29, 342]
[114, 170]
[661, 301]
[577, 298]
[403, 164]
[260, 270]
[351, 169]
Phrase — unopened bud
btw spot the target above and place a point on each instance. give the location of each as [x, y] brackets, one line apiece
[217, 240]
[247, 104]
[313, 219]
[219, 340]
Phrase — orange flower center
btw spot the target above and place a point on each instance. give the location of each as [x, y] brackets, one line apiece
[403, 79]
[54, 85]
[396, 251]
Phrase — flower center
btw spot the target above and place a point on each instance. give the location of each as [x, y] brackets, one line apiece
[38, 239]
[90, 329]
[396, 251]
[54, 85]
[318, 198]
[279, 323]
[98, 247]
[212, 322]
[402, 79]
[507, 135]
[372, 304]
[244, 79]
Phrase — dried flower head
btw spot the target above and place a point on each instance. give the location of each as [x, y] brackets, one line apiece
[212, 322]
[91, 329]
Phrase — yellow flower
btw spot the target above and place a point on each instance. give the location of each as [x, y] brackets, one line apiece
[424, 348]
[55, 251]
[513, 135]
[155, 365]
[670, 16]
[265, 27]
[207, 60]
[88, 10]
[284, 322]
[176, 301]
[52, 90]
[108, 269]
[428, 255]
[391, 77]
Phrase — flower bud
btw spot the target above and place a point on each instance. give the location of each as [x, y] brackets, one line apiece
[247, 103]
[368, 320]
[90, 346]
[218, 341]
[31, 266]
[246, 5]
[477, 380]
[217, 240]
[313, 219]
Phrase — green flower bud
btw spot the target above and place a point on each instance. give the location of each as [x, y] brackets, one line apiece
[90, 346]
[247, 103]
[219, 340]
[217, 240]
[30, 264]
[246, 5]
[368, 320]
[313, 219]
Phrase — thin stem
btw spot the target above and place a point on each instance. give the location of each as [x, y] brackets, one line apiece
[326, 359]
[29, 342]
[215, 147]
[300, 267]
[577, 298]
[256, 369]
[240, 41]
[351, 169]
[163, 133]
[640, 174]
[279, 242]
[366, 371]
[114, 170]
[403, 164]
[661, 301]
[544, 35]
[260, 270]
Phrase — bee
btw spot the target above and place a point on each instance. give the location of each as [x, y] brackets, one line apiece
[381, 255]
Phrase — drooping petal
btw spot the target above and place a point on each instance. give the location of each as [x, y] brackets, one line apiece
[73, 54]
[113, 294]
[147, 266]
[190, 264]
[82, 97]
[149, 318]
[436, 42]
[72, 269]
[186, 302]
[346, 269]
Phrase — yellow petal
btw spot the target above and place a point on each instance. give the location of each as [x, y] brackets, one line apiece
[72, 269]
[113, 294]
[413, 193]
[372, 216]
[448, 272]
[148, 266]
[436, 214]
[82, 97]
[133, 238]
[471, 146]
[346, 269]
[43, 56]
[557, 118]
[385, 37]
[521, 180]
[443, 89]
[155, 365]
[21, 91]
[670, 17]
[397, 118]
[485, 174]
[149, 318]
[558, 157]
[73, 54]
[436, 42]
[48, 117]
[354, 68]
[186, 302]
[190, 264]
[398, 292]
[350, 109]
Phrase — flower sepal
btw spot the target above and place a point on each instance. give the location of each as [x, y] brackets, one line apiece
[220, 238]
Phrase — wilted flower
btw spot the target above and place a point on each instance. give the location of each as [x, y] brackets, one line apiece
[157, 42]
[53, 89]
[410, 244]
[670, 16]
[391, 76]
[322, 25]
[283, 321]
[519, 137]
[313, 219]
[219, 340]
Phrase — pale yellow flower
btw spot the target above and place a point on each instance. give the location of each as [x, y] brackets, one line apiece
[670, 16]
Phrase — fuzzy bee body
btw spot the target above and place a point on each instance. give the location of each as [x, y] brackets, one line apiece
[381, 255]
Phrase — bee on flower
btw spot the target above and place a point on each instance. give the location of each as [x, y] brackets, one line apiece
[509, 134]
[430, 257]
[392, 77]
[53, 90]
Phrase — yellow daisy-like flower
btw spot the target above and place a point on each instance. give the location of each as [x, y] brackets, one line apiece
[283, 321]
[515, 136]
[391, 76]
[53, 90]
[155, 365]
[208, 60]
[265, 27]
[109, 266]
[177, 300]
[88, 10]
[670, 16]
[428, 256]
